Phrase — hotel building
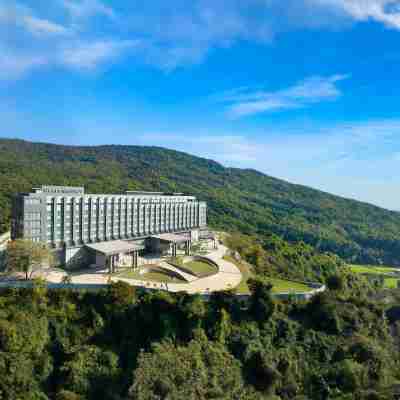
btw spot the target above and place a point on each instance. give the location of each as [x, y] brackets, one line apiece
[68, 220]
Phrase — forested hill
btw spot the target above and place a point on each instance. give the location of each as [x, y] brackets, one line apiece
[244, 200]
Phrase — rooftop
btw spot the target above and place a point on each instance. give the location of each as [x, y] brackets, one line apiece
[79, 190]
[59, 189]
[172, 237]
[115, 247]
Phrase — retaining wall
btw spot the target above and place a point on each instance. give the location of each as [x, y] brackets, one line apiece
[95, 287]
[144, 270]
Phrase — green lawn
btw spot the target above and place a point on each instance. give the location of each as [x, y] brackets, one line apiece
[283, 286]
[278, 285]
[201, 268]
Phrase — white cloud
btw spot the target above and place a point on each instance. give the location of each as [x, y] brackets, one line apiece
[40, 26]
[71, 43]
[23, 17]
[315, 89]
[178, 33]
[89, 55]
[87, 8]
[384, 11]
[15, 65]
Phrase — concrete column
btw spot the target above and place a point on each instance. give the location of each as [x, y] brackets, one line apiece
[187, 248]
[136, 259]
[113, 263]
[174, 250]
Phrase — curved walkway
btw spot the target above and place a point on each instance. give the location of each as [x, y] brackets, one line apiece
[227, 277]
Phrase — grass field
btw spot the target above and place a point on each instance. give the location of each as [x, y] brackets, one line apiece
[372, 269]
[201, 268]
[283, 286]
[278, 285]
[389, 282]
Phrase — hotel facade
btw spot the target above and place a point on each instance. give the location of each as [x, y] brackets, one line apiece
[68, 220]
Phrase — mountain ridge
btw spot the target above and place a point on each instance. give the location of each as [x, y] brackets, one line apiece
[245, 200]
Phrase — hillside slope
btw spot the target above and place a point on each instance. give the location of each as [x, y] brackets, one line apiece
[244, 200]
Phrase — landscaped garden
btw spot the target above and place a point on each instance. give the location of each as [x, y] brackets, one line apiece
[200, 268]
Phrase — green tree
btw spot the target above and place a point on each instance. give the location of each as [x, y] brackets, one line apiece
[91, 372]
[25, 256]
[335, 282]
[201, 370]
[261, 304]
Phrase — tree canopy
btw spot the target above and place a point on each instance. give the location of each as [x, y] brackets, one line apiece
[69, 345]
[26, 256]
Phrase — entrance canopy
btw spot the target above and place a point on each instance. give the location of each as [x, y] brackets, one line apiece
[115, 247]
[205, 234]
[172, 237]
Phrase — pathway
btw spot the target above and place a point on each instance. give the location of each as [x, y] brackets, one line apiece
[227, 277]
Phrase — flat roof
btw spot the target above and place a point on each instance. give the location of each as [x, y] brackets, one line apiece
[206, 235]
[115, 247]
[172, 237]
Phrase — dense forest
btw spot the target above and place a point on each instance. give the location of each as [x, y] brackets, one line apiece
[121, 344]
[239, 200]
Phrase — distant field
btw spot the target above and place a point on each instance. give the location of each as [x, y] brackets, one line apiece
[389, 282]
[372, 269]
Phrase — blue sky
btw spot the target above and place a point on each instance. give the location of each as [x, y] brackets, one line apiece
[304, 90]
